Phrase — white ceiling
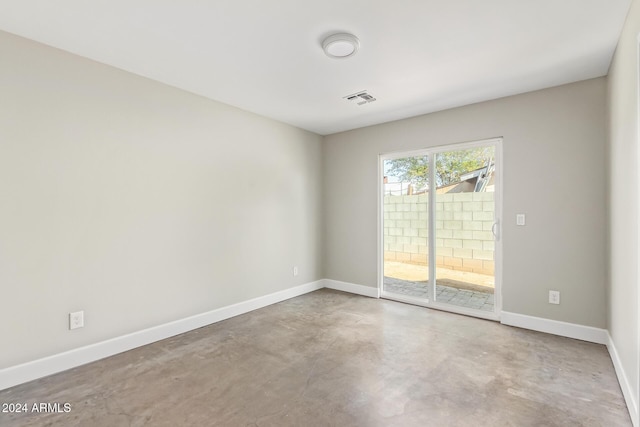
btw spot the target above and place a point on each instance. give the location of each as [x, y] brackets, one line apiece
[416, 56]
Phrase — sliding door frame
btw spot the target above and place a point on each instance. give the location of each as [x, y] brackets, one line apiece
[430, 302]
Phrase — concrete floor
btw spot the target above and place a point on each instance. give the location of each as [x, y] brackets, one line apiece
[334, 359]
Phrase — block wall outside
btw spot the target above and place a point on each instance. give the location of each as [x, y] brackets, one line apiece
[464, 240]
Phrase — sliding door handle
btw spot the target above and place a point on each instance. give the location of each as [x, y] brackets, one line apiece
[495, 230]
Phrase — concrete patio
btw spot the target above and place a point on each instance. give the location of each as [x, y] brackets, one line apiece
[463, 289]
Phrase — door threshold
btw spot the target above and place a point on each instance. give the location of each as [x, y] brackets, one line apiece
[486, 315]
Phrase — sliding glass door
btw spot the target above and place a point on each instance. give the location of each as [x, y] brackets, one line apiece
[439, 227]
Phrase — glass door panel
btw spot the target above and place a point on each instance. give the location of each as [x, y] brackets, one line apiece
[465, 219]
[405, 222]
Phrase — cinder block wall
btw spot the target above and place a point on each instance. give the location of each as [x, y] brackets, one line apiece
[464, 240]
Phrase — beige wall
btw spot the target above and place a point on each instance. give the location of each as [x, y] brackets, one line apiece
[623, 200]
[138, 203]
[552, 139]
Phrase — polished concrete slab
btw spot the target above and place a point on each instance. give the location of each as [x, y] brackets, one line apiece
[333, 359]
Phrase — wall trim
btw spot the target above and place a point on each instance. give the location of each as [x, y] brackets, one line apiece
[367, 291]
[555, 327]
[623, 380]
[39, 368]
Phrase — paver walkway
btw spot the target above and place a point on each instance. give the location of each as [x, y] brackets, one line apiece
[449, 294]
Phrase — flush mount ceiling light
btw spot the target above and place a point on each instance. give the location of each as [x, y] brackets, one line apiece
[341, 45]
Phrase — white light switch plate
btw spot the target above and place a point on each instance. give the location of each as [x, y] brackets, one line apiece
[520, 219]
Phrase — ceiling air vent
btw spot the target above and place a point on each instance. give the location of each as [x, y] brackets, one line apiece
[360, 98]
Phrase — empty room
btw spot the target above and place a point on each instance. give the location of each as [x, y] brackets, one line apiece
[336, 213]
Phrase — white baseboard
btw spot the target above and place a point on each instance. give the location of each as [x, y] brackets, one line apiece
[555, 327]
[632, 405]
[29, 371]
[367, 291]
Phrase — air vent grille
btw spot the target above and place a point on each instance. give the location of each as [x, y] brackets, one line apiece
[360, 98]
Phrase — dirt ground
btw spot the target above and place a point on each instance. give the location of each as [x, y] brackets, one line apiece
[420, 273]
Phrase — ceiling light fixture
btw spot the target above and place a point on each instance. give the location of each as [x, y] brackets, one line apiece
[341, 45]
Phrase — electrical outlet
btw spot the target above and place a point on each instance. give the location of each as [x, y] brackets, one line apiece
[521, 219]
[76, 320]
[554, 297]
[295, 271]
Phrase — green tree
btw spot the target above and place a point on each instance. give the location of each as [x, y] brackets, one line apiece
[449, 166]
